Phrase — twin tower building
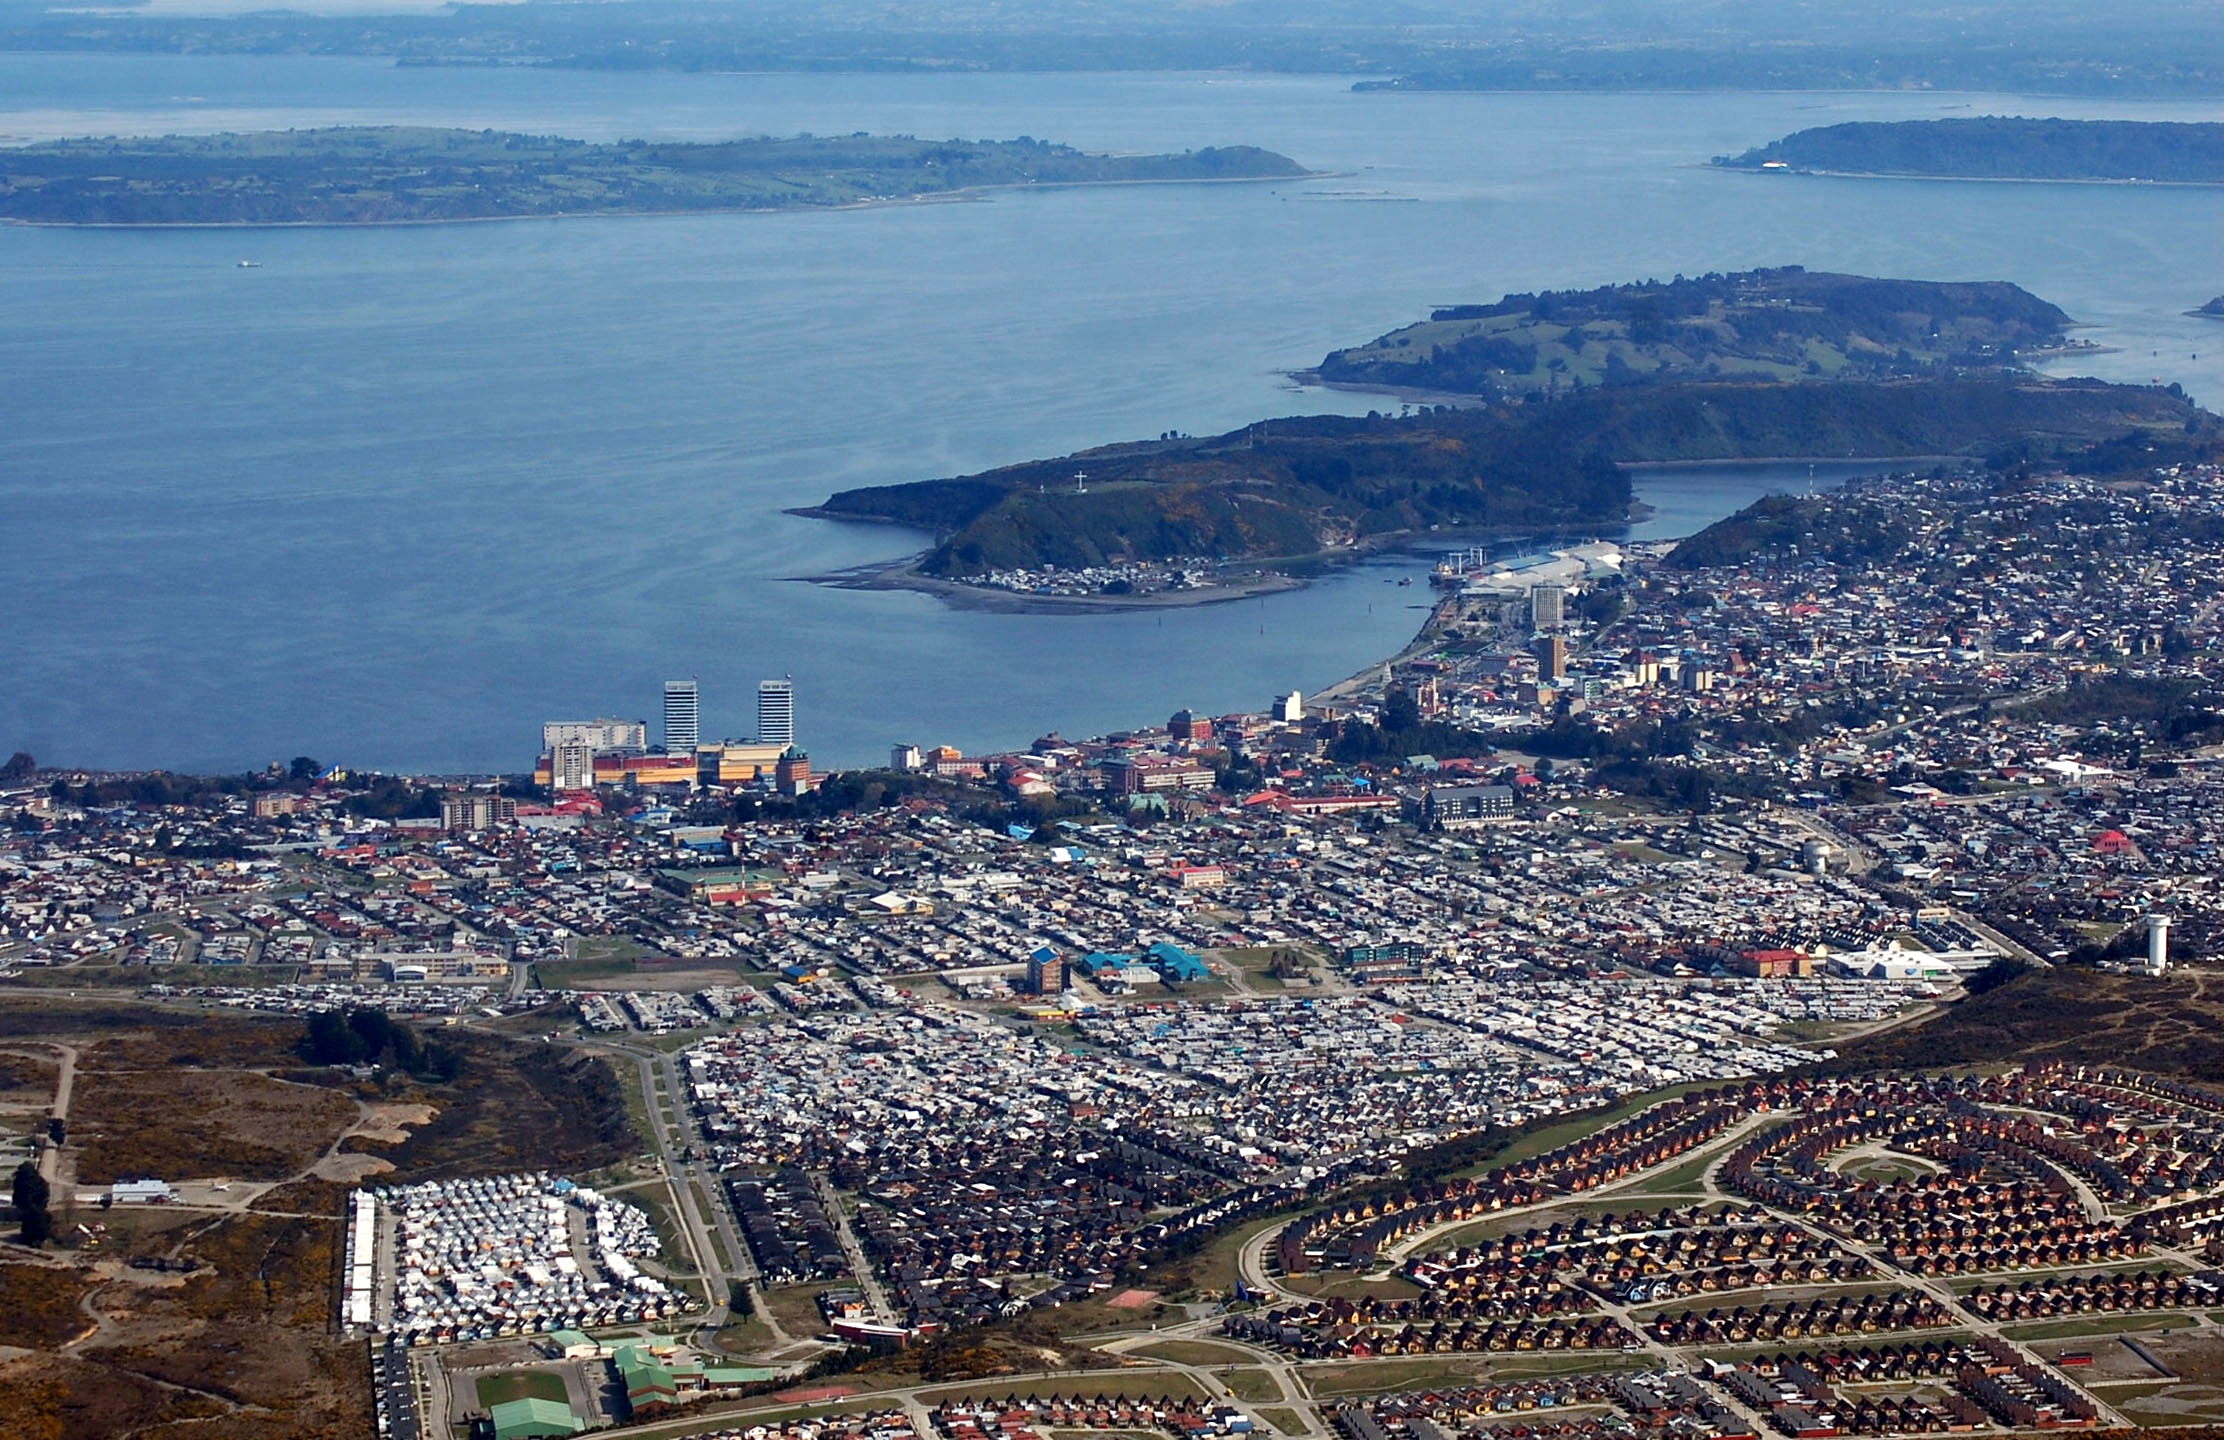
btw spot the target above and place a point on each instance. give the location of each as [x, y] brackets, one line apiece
[580, 754]
[683, 715]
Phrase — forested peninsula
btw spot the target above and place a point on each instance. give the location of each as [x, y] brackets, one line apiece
[1775, 324]
[2001, 148]
[1327, 484]
[398, 174]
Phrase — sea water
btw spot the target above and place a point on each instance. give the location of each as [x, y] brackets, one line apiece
[394, 496]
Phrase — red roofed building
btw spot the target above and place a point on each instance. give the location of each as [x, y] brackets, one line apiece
[1772, 964]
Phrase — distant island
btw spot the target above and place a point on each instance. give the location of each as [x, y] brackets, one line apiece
[1324, 486]
[395, 174]
[2001, 148]
[2214, 310]
[1776, 324]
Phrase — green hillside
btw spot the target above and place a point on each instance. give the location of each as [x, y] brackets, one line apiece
[1781, 324]
[1999, 147]
[1299, 486]
[385, 174]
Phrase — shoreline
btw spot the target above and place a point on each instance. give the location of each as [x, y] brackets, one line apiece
[970, 194]
[902, 573]
[1643, 466]
[1968, 179]
[1423, 639]
[1310, 379]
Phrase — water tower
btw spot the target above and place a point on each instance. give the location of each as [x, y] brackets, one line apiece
[2158, 944]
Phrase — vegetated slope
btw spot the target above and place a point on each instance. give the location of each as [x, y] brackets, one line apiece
[1999, 147]
[513, 1106]
[374, 174]
[1780, 324]
[1291, 487]
[2169, 1025]
[1277, 488]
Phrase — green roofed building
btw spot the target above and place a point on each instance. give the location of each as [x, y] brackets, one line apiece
[533, 1416]
[646, 1379]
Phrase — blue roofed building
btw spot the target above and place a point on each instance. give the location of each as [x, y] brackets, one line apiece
[1175, 965]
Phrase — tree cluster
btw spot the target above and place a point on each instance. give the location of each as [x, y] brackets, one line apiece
[360, 1036]
[31, 1197]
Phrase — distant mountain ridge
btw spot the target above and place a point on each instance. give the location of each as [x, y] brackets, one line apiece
[396, 174]
[1999, 147]
[1786, 323]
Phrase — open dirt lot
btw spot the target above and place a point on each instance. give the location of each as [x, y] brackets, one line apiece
[239, 1341]
[38, 1305]
[184, 1123]
[27, 1078]
[2197, 1355]
[234, 1337]
[2112, 1359]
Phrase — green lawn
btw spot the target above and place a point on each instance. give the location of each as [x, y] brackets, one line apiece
[1375, 1377]
[578, 974]
[637, 1105]
[2113, 1324]
[1251, 1385]
[1885, 1170]
[520, 1385]
[748, 1336]
[1193, 1352]
[593, 958]
[796, 1308]
[1342, 1284]
[1676, 1179]
[656, 1202]
[1214, 1268]
[1577, 1362]
[706, 1207]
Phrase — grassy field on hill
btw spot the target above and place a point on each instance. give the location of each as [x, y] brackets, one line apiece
[1781, 324]
[392, 174]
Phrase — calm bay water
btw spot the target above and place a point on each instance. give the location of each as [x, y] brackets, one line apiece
[398, 495]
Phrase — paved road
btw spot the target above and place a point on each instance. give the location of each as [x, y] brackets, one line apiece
[698, 1196]
[1293, 1395]
[876, 1294]
[1725, 1142]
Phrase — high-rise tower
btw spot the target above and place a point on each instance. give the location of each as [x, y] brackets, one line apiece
[776, 713]
[682, 716]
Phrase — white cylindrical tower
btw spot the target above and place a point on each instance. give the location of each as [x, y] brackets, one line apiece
[2158, 943]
